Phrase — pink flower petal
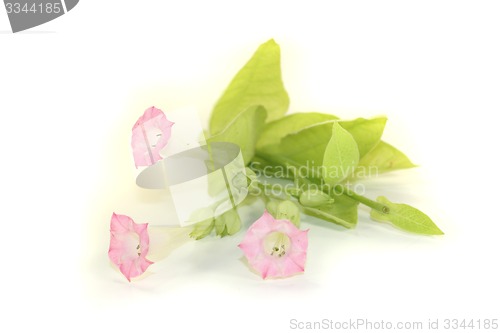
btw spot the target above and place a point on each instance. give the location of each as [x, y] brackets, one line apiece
[275, 248]
[129, 246]
[150, 134]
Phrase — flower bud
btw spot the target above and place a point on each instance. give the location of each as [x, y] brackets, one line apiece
[272, 207]
[314, 198]
[287, 210]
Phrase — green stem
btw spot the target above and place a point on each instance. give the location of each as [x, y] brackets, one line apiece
[338, 188]
[364, 200]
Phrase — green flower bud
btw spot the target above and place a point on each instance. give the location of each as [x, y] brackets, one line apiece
[288, 210]
[272, 207]
[314, 198]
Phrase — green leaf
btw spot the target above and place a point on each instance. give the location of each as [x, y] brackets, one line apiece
[228, 223]
[341, 156]
[366, 132]
[406, 218]
[202, 229]
[220, 226]
[306, 146]
[233, 222]
[274, 131]
[344, 211]
[257, 83]
[244, 131]
[383, 158]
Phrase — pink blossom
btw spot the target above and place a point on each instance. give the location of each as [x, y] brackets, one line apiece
[129, 246]
[275, 248]
[150, 134]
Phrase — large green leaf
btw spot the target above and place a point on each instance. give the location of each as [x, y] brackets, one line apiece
[244, 131]
[406, 217]
[366, 132]
[303, 148]
[306, 146]
[257, 83]
[341, 156]
[383, 158]
[274, 131]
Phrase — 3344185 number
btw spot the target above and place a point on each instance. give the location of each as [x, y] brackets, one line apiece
[40, 8]
[480, 324]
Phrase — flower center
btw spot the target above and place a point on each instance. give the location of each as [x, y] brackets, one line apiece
[133, 244]
[277, 244]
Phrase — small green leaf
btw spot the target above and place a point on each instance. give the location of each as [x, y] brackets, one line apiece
[383, 158]
[344, 211]
[274, 131]
[228, 223]
[202, 229]
[233, 222]
[220, 226]
[257, 83]
[341, 156]
[406, 218]
[244, 131]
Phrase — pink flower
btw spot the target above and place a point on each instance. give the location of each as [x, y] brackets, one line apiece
[275, 248]
[150, 134]
[129, 246]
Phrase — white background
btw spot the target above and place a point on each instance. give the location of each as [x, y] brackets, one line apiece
[71, 89]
